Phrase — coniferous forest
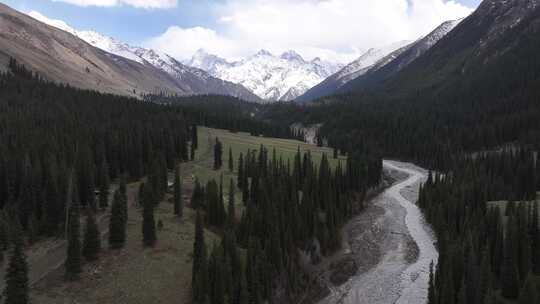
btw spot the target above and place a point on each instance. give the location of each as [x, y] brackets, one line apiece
[486, 249]
[287, 206]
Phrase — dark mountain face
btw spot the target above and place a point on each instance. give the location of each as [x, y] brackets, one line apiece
[399, 59]
[382, 69]
[483, 43]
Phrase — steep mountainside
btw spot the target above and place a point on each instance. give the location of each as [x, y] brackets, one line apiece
[190, 80]
[401, 59]
[59, 56]
[476, 89]
[270, 77]
[488, 44]
[355, 69]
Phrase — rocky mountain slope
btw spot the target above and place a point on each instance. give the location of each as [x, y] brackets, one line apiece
[400, 59]
[385, 63]
[486, 50]
[270, 77]
[59, 56]
[89, 60]
[353, 70]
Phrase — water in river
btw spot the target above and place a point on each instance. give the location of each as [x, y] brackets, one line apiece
[395, 278]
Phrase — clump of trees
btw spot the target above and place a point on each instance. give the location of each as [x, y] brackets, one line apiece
[288, 206]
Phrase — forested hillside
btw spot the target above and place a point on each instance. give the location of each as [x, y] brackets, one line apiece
[488, 251]
[54, 136]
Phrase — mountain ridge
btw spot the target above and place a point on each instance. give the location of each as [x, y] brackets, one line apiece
[271, 77]
[57, 52]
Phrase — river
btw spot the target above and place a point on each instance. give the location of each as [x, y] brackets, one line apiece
[405, 246]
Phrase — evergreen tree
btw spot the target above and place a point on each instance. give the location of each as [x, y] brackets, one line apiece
[16, 290]
[117, 228]
[199, 277]
[149, 223]
[509, 271]
[192, 153]
[194, 138]
[178, 202]
[197, 197]
[231, 208]
[529, 293]
[92, 239]
[122, 188]
[73, 263]
[104, 185]
[231, 160]
[432, 298]
[218, 152]
[240, 179]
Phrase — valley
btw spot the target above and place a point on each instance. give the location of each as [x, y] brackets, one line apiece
[270, 152]
[132, 275]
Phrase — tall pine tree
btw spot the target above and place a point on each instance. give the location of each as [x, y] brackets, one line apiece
[178, 203]
[149, 223]
[73, 263]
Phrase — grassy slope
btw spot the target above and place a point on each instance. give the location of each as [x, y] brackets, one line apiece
[162, 274]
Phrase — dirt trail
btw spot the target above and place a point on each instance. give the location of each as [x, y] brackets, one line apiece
[391, 246]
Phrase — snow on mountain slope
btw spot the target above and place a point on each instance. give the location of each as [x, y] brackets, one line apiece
[377, 64]
[191, 79]
[397, 61]
[353, 70]
[366, 61]
[270, 77]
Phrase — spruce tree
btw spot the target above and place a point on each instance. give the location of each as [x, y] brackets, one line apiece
[92, 239]
[432, 299]
[199, 277]
[529, 293]
[178, 203]
[231, 160]
[73, 263]
[218, 152]
[240, 179]
[231, 208]
[16, 290]
[509, 269]
[194, 138]
[149, 223]
[104, 186]
[117, 228]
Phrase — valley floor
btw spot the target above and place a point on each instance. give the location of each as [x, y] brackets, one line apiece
[389, 245]
[162, 274]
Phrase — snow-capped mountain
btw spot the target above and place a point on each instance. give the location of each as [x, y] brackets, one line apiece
[351, 71]
[190, 79]
[377, 64]
[400, 59]
[270, 77]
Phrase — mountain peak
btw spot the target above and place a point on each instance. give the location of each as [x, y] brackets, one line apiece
[291, 55]
[264, 53]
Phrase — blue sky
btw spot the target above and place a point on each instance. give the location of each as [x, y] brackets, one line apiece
[237, 27]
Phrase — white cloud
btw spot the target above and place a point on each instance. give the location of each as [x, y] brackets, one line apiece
[331, 29]
[146, 4]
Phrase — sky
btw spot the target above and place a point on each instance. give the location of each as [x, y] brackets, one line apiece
[336, 30]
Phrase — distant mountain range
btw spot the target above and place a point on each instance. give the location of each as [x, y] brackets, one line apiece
[90, 60]
[273, 78]
[377, 64]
